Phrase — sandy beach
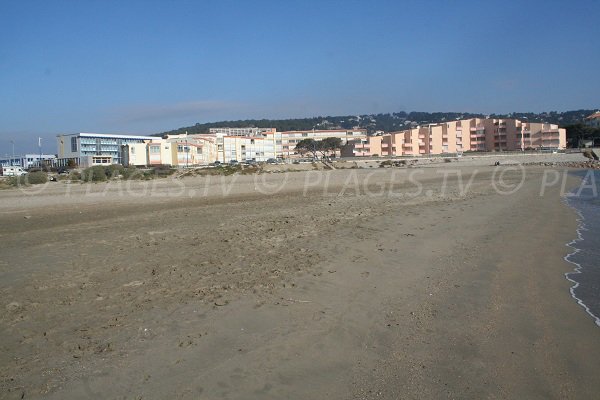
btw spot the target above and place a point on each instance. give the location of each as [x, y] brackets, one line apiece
[383, 283]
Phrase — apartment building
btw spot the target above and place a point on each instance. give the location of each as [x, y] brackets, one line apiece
[284, 143]
[150, 152]
[474, 134]
[251, 132]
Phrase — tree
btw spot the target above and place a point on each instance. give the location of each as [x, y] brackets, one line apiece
[307, 146]
[329, 145]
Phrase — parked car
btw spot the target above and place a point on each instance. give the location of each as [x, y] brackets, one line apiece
[233, 162]
[271, 161]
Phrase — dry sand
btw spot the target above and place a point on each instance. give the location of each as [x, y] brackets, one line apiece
[305, 285]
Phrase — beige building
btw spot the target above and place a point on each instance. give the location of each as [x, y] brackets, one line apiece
[453, 137]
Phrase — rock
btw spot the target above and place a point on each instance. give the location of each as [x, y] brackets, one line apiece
[14, 306]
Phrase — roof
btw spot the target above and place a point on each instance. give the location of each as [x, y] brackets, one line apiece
[111, 136]
[595, 115]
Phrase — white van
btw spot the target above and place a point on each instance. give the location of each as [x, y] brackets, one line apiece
[13, 171]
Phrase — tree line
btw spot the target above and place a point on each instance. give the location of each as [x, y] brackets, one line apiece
[386, 122]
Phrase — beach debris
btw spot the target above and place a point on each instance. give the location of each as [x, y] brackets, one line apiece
[133, 283]
[27, 216]
[13, 306]
[298, 301]
[221, 303]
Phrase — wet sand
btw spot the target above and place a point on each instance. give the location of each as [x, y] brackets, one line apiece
[345, 284]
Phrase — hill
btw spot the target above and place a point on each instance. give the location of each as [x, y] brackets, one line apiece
[387, 122]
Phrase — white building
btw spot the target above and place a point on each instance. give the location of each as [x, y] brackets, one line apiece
[27, 160]
[86, 149]
[284, 143]
[251, 132]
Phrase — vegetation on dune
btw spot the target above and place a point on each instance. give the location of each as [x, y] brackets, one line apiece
[32, 178]
[100, 173]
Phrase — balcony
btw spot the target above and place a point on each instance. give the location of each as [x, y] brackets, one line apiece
[550, 135]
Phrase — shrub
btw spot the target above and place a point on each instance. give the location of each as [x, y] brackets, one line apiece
[163, 170]
[96, 173]
[131, 173]
[113, 170]
[75, 176]
[32, 178]
[37, 178]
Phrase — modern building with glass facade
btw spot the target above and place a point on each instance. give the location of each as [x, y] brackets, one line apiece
[86, 149]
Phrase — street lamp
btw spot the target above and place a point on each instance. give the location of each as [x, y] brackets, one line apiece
[40, 145]
[12, 160]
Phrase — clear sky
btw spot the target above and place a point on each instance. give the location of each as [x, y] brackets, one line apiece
[148, 66]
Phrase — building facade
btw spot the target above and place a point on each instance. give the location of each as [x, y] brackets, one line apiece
[87, 149]
[251, 132]
[28, 160]
[284, 143]
[454, 137]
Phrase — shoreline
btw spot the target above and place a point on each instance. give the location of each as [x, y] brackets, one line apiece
[578, 267]
[298, 294]
[581, 226]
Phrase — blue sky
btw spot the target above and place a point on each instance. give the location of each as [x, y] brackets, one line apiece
[149, 66]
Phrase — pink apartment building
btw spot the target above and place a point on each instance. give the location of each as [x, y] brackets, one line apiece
[459, 136]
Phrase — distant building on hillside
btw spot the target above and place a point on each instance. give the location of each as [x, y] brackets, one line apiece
[593, 120]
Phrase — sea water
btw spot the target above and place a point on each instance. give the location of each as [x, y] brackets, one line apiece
[586, 247]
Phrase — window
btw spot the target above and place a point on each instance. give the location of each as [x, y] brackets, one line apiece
[304, 134]
[74, 144]
[199, 150]
[133, 150]
[154, 149]
[180, 149]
